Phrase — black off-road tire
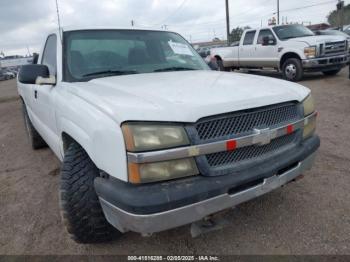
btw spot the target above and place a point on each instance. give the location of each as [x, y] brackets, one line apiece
[292, 70]
[81, 210]
[35, 140]
[332, 72]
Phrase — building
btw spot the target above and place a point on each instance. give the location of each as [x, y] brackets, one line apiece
[210, 44]
[316, 27]
[15, 61]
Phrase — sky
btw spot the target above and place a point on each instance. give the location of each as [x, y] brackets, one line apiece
[25, 23]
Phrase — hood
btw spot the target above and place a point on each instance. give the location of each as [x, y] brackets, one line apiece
[183, 96]
[318, 39]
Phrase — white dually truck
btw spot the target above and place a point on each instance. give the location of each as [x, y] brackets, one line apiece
[150, 138]
[290, 49]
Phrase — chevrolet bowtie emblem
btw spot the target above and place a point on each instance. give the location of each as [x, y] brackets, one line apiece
[264, 136]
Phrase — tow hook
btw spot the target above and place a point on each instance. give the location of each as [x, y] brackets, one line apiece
[297, 179]
[209, 224]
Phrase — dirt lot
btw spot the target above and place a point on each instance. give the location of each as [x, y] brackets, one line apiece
[311, 216]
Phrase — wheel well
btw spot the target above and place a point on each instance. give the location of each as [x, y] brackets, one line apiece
[67, 141]
[218, 58]
[286, 56]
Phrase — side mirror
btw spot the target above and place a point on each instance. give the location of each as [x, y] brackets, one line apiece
[29, 74]
[268, 41]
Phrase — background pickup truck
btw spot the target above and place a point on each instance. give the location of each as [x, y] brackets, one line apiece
[292, 49]
[151, 139]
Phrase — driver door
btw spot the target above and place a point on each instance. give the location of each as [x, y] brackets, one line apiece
[43, 97]
[266, 55]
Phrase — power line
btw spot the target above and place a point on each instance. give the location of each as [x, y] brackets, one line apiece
[175, 12]
[308, 6]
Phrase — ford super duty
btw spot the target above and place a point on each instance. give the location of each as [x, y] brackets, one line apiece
[290, 49]
[150, 138]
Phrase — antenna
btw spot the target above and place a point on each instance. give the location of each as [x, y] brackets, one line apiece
[28, 50]
[58, 20]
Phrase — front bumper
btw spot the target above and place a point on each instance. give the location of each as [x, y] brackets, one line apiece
[325, 63]
[157, 207]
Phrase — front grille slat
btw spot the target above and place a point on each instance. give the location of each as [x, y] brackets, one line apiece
[243, 123]
[333, 48]
[251, 152]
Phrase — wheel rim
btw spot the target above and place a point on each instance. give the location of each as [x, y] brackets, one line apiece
[291, 71]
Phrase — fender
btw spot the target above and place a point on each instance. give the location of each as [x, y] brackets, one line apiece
[298, 51]
[104, 143]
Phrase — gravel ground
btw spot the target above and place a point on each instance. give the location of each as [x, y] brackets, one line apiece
[311, 216]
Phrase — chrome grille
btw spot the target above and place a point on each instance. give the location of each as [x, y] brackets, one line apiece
[244, 122]
[251, 153]
[334, 48]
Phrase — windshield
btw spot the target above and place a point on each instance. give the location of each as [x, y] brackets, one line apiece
[100, 53]
[285, 32]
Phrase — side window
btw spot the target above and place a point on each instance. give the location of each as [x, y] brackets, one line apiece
[50, 54]
[249, 38]
[265, 33]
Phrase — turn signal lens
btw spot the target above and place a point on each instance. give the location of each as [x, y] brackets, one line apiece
[162, 171]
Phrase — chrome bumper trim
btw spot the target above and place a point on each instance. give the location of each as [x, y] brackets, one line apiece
[148, 224]
[315, 62]
[261, 137]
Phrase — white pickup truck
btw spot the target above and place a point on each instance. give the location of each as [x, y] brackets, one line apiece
[150, 138]
[291, 49]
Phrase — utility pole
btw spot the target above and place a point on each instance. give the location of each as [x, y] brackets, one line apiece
[132, 23]
[278, 12]
[340, 8]
[228, 22]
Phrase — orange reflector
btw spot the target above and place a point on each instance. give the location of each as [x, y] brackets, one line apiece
[134, 173]
[129, 140]
[290, 129]
[231, 145]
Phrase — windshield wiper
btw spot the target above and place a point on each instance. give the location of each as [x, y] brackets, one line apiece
[289, 37]
[112, 72]
[175, 68]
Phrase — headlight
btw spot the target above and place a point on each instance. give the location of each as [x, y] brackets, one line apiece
[141, 137]
[161, 171]
[309, 129]
[309, 108]
[310, 52]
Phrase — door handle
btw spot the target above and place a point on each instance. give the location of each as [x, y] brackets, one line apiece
[35, 94]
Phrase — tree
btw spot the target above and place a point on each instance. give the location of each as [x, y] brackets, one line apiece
[334, 16]
[236, 33]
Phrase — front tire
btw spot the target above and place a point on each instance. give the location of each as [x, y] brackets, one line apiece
[80, 207]
[35, 140]
[292, 70]
[331, 72]
[220, 64]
